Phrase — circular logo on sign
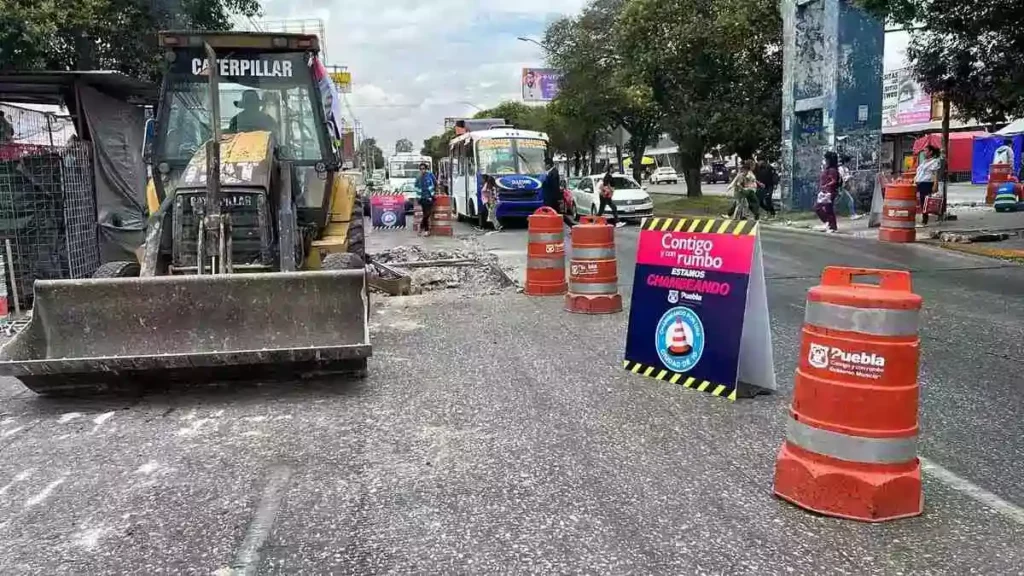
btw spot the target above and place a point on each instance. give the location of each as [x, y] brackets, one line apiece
[388, 218]
[680, 339]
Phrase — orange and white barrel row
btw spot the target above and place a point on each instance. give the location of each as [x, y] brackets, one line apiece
[851, 439]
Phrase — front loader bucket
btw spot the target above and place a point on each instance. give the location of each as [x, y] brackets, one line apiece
[101, 334]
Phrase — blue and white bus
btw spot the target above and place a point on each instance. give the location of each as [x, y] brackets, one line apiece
[515, 158]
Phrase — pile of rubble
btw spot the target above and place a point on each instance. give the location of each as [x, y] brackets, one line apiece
[451, 269]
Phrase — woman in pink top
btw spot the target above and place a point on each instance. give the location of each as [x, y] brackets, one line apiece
[828, 191]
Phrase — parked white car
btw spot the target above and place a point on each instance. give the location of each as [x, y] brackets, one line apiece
[630, 198]
[665, 175]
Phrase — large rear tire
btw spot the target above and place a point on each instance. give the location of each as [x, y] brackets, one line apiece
[123, 269]
[357, 232]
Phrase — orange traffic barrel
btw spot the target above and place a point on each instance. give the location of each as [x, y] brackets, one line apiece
[593, 272]
[908, 176]
[899, 213]
[851, 437]
[417, 216]
[997, 174]
[545, 254]
[441, 219]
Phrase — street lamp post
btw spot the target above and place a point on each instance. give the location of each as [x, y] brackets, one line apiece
[532, 41]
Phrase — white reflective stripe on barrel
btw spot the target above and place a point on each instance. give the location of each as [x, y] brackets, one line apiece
[851, 448]
[594, 253]
[592, 288]
[874, 321]
[548, 263]
[897, 224]
[900, 203]
[546, 237]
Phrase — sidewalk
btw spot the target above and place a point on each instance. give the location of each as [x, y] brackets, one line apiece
[969, 219]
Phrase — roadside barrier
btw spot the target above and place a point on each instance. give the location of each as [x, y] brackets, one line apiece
[593, 271]
[417, 215]
[997, 174]
[899, 213]
[387, 210]
[441, 219]
[545, 254]
[851, 439]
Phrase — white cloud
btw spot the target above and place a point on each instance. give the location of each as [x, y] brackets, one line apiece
[414, 62]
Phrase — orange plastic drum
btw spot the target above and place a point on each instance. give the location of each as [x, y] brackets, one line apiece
[441, 219]
[899, 213]
[545, 254]
[851, 439]
[997, 174]
[593, 272]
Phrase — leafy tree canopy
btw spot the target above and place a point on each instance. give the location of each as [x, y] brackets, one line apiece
[404, 145]
[103, 34]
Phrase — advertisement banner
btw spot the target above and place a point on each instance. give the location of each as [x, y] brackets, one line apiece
[699, 311]
[387, 211]
[540, 84]
[904, 102]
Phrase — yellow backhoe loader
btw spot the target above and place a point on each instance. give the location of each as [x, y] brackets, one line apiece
[254, 259]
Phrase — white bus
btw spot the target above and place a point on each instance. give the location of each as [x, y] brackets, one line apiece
[515, 158]
[403, 170]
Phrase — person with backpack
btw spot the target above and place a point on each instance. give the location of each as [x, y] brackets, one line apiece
[426, 185]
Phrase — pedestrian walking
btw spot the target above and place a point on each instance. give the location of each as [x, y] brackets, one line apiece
[925, 178]
[426, 185]
[551, 191]
[828, 191]
[846, 185]
[605, 198]
[768, 179]
[744, 192]
[1004, 154]
[490, 196]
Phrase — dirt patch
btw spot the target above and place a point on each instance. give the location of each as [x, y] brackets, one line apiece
[447, 269]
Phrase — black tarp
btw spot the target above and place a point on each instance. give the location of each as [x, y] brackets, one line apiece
[116, 130]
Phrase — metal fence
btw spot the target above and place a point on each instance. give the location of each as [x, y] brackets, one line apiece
[47, 204]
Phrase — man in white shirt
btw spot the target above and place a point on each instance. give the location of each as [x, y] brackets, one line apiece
[1004, 154]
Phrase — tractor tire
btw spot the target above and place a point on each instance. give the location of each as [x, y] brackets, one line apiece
[357, 232]
[122, 269]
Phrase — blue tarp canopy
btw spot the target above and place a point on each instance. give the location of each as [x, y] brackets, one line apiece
[985, 149]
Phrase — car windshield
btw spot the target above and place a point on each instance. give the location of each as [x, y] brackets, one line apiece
[664, 170]
[511, 155]
[572, 182]
[258, 92]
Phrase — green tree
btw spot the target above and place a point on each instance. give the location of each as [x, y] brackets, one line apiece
[517, 114]
[103, 34]
[596, 77]
[969, 51]
[404, 145]
[714, 67]
[437, 146]
[373, 152]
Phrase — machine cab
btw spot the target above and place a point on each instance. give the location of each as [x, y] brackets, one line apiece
[271, 93]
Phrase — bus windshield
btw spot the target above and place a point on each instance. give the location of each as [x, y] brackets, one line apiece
[406, 169]
[511, 155]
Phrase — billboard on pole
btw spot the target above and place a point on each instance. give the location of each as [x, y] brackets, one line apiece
[540, 84]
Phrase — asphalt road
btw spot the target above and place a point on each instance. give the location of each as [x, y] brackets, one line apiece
[498, 434]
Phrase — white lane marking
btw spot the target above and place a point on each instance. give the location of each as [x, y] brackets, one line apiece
[68, 417]
[11, 432]
[19, 477]
[45, 492]
[979, 494]
[89, 539]
[99, 420]
[148, 467]
[247, 559]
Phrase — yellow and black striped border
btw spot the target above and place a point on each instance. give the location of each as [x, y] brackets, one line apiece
[701, 225]
[720, 390]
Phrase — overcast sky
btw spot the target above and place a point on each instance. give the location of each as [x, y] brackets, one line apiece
[415, 62]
